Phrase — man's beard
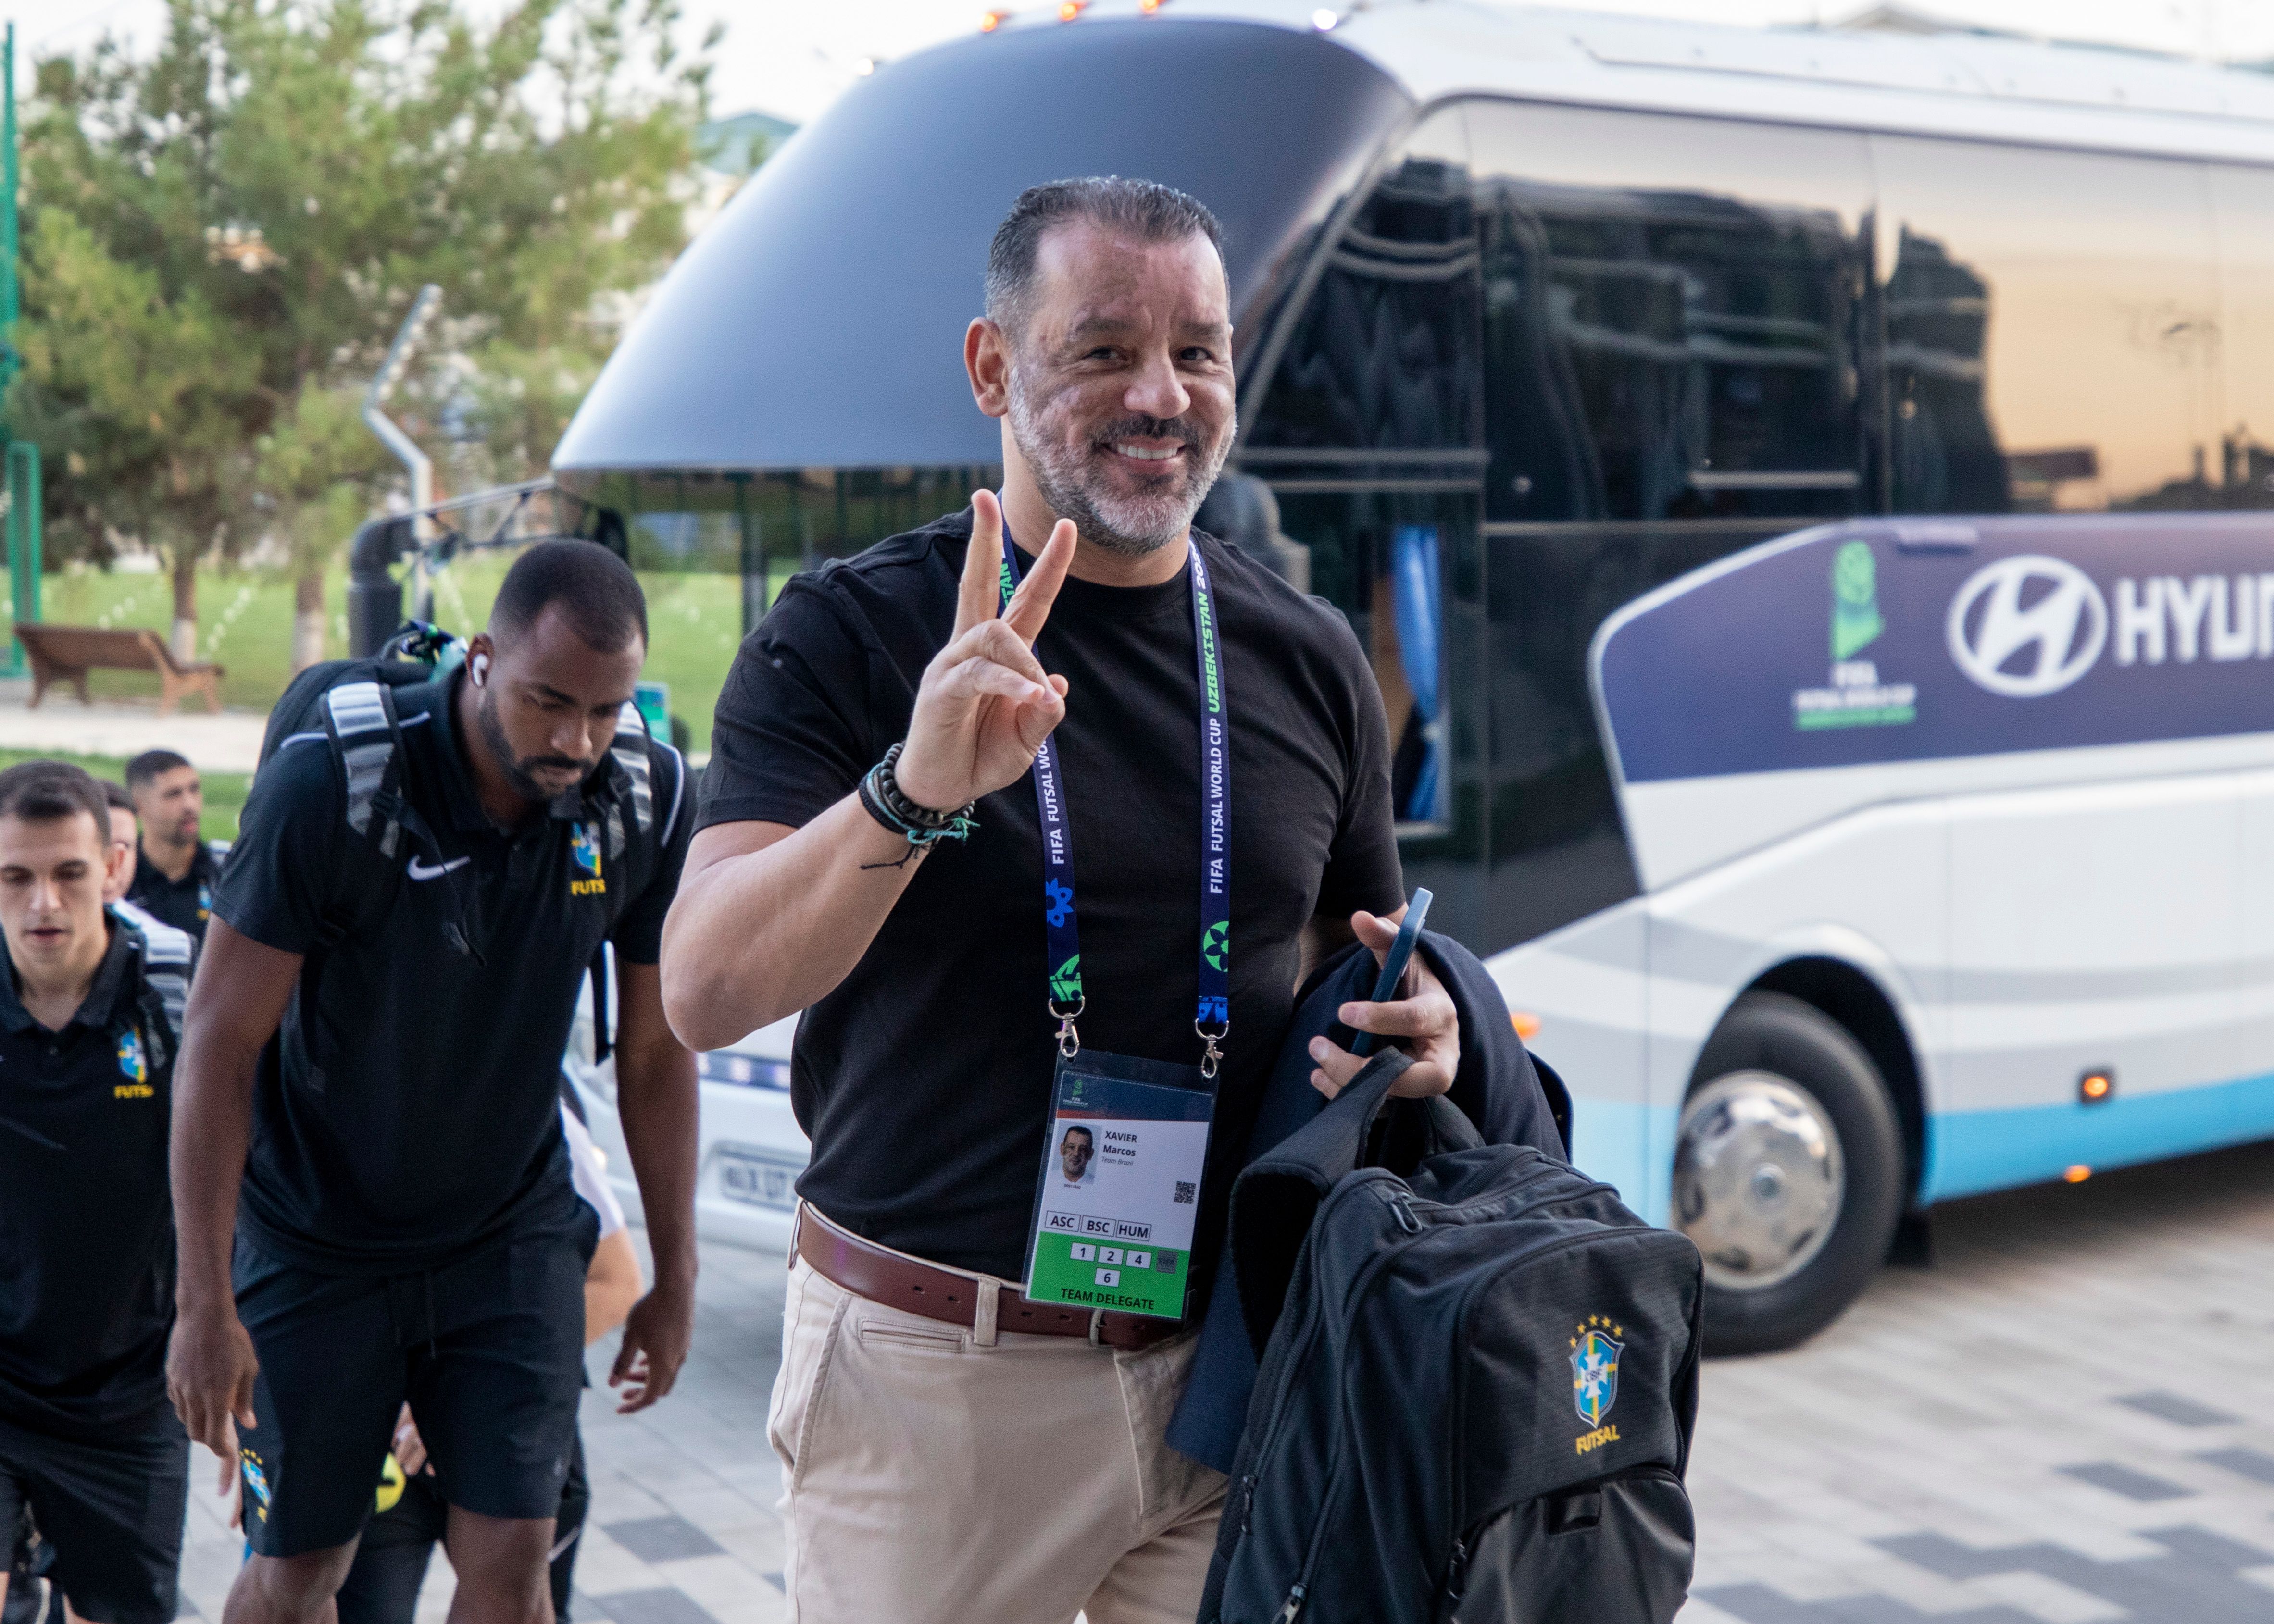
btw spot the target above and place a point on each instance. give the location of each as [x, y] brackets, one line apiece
[1074, 487]
[519, 773]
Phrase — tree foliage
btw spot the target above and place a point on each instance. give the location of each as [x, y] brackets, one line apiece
[223, 236]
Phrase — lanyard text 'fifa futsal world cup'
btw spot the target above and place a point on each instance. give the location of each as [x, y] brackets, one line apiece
[1128, 1139]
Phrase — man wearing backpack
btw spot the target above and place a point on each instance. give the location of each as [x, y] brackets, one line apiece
[422, 878]
[888, 845]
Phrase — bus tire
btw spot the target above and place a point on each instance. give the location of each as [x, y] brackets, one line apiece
[1788, 1173]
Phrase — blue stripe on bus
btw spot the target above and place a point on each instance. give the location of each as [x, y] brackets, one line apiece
[1631, 1146]
[1970, 1153]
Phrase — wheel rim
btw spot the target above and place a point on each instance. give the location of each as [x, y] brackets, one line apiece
[1758, 1179]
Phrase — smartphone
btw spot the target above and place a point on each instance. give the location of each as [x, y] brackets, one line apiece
[1393, 968]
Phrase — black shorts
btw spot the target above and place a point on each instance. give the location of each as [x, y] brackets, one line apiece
[112, 1510]
[390, 1565]
[489, 1351]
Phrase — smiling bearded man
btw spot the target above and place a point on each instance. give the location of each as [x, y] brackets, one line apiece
[972, 1401]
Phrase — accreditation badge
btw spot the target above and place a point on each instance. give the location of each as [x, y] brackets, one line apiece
[1120, 1184]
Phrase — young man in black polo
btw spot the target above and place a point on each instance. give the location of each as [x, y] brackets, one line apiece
[885, 840]
[87, 1442]
[174, 868]
[407, 1228]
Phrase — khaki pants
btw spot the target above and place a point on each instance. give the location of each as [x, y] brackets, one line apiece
[931, 1479]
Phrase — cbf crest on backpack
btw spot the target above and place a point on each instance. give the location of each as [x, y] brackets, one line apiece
[1477, 1386]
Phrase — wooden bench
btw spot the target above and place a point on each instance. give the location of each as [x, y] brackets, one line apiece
[67, 653]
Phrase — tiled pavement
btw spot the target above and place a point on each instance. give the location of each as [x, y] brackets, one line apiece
[2068, 1419]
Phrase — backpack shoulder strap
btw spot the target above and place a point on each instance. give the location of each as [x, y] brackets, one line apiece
[168, 957]
[160, 1022]
[632, 790]
[367, 742]
[630, 751]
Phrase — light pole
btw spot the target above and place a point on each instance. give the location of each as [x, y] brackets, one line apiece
[391, 435]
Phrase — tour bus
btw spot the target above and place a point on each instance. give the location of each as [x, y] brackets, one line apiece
[1807, 497]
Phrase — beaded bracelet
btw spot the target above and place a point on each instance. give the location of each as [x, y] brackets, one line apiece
[919, 826]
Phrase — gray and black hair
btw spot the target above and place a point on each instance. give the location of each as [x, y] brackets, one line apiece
[595, 588]
[1143, 210]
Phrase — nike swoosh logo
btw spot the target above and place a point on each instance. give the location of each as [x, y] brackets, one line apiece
[419, 873]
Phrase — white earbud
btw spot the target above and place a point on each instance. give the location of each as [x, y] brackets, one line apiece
[481, 669]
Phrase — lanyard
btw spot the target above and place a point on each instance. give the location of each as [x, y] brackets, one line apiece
[1212, 1019]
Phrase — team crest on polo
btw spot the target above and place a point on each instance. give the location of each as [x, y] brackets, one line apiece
[133, 1067]
[1595, 1368]
[584, 851]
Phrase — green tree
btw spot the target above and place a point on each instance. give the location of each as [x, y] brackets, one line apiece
[222, 236]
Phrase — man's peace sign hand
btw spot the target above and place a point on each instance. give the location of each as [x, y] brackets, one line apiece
[985, 703]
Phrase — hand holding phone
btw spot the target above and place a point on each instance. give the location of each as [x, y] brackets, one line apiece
[1393, 966]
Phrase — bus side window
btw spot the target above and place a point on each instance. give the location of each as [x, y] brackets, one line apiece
[1383, 356]
[2243, 202]
[2053, 329]
[1672, 314]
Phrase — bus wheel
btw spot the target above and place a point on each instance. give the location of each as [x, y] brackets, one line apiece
[1788, 1173]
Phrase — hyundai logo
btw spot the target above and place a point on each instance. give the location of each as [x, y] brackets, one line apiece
[2027, 627]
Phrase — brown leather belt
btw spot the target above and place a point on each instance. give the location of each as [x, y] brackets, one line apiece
[915, 1287]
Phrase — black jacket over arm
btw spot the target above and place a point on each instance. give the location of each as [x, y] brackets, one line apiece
[1512, 1099]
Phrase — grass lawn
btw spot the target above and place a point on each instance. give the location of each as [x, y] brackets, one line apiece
[224, 791]
[244, 622]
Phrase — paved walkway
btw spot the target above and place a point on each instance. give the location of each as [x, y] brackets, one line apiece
[229, 742]
[2068, 1419]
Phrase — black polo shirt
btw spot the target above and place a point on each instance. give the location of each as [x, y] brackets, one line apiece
[86, 1226]
[185, 903]
[924, 1078]
[408, 1111]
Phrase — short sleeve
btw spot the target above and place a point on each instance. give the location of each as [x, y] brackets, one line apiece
[791, 735]
[1362, 870]
[638, 934]
[278, 880]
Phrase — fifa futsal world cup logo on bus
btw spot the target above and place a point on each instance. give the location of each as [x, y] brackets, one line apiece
[1854, 696]
[1595, 1352]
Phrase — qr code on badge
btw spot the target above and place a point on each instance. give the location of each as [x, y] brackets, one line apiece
[1186, 1191]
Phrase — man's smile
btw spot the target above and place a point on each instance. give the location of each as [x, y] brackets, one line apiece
[1148, 451]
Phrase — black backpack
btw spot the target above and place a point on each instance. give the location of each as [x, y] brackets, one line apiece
[353, 704]
[1477, 1387]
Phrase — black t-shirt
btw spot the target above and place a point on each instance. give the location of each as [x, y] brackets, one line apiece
[923, 1080]
[185, 903]
[86, 1226]
[408, 1111]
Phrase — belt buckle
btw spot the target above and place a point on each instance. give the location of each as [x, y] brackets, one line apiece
[1096, 1325]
